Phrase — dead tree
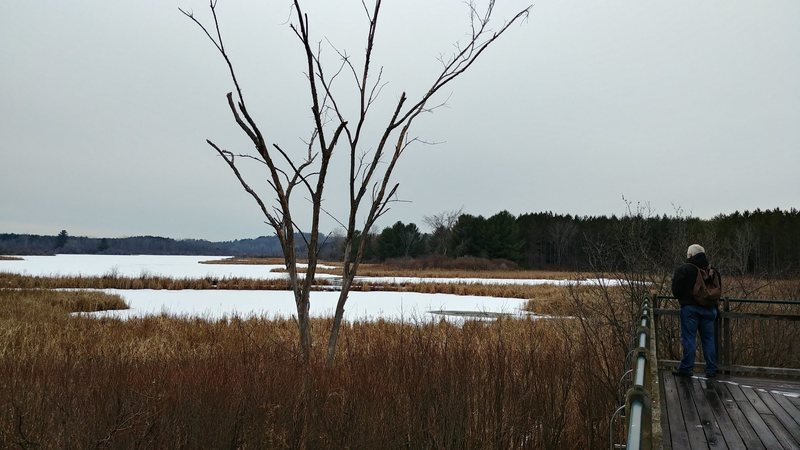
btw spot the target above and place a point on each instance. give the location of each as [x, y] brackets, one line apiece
[442, 225]
[371, 188]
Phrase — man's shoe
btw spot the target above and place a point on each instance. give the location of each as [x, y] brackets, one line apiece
[711, 375]
[680, 373]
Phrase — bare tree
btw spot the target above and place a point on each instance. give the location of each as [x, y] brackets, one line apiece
[744, 241]
[562, 233]
[371, 189]
[442, 225]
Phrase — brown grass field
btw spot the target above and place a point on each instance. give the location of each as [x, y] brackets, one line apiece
[378, 270]
[544, 299]
[16, 281]
[75, 382]
[472, 268]
[71, 381]
[245, 261]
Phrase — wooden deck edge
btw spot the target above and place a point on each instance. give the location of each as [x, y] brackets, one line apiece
[657, 433]
[741, 370]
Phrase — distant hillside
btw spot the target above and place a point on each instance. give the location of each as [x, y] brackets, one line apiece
[29, 244]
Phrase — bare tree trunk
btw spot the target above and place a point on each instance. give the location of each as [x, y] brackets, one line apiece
[349, 270]
[337, 319]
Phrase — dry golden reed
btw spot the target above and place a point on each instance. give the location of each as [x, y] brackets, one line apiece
[479, 268]
[377, 270]
[546, 299]
[70, 381]
[248, 261]
[16, 281]
[159, 382]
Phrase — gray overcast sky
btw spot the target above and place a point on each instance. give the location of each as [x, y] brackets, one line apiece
[105, 108]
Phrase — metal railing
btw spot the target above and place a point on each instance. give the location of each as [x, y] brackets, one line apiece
[641, 408]
[638, 398]
[722, 331]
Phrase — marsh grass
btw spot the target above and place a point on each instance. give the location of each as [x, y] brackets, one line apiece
[545, 299]
[247, 261]
[464, 267]
[10, 258]
[68, 381]
[59, 302]
[378, 270]
[73, 382]
[112, 281]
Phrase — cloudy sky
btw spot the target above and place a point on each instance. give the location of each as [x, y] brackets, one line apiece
[683, 106]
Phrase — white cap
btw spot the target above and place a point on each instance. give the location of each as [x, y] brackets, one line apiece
[694, 249]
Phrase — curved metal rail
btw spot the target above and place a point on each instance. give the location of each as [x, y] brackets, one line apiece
[637, 398]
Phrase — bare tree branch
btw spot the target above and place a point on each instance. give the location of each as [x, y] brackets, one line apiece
[229, 158]
[330, 215]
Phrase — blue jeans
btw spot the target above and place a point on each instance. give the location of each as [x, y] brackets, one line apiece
[696, 319]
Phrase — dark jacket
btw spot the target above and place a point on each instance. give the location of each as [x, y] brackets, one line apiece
[685, 276]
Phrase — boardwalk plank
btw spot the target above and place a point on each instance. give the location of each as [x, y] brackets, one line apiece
[755, 400]
[722, 414]
[694, 427]
[736, 393]
[759, 426]
[711, 428]
[785, 439]
[743, 428]
[777, 410]
[726, 426]
[773, 384]
[678, 437]
[790, 407]
[666, 437]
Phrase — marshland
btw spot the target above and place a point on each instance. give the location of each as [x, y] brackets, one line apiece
[545, 374]
[292, 148]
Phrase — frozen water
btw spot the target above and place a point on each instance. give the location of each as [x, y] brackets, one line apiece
[521, 281]
[220, 304]
[136, 265]
[190, 267]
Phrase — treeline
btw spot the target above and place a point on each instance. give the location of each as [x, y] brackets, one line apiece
[28, 244]
[758, 242]
[750, 242]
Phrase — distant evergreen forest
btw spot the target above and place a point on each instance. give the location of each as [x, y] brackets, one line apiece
[29, 244]
[758, 242]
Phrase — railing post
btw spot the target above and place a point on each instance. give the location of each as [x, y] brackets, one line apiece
[656, 305]
[726, 333]
[719, 342]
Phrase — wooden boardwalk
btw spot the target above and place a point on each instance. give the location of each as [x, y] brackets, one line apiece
[729, 413]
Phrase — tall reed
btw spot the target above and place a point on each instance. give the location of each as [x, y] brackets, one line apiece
[546, 298]
[159, 382]
[113, 281]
